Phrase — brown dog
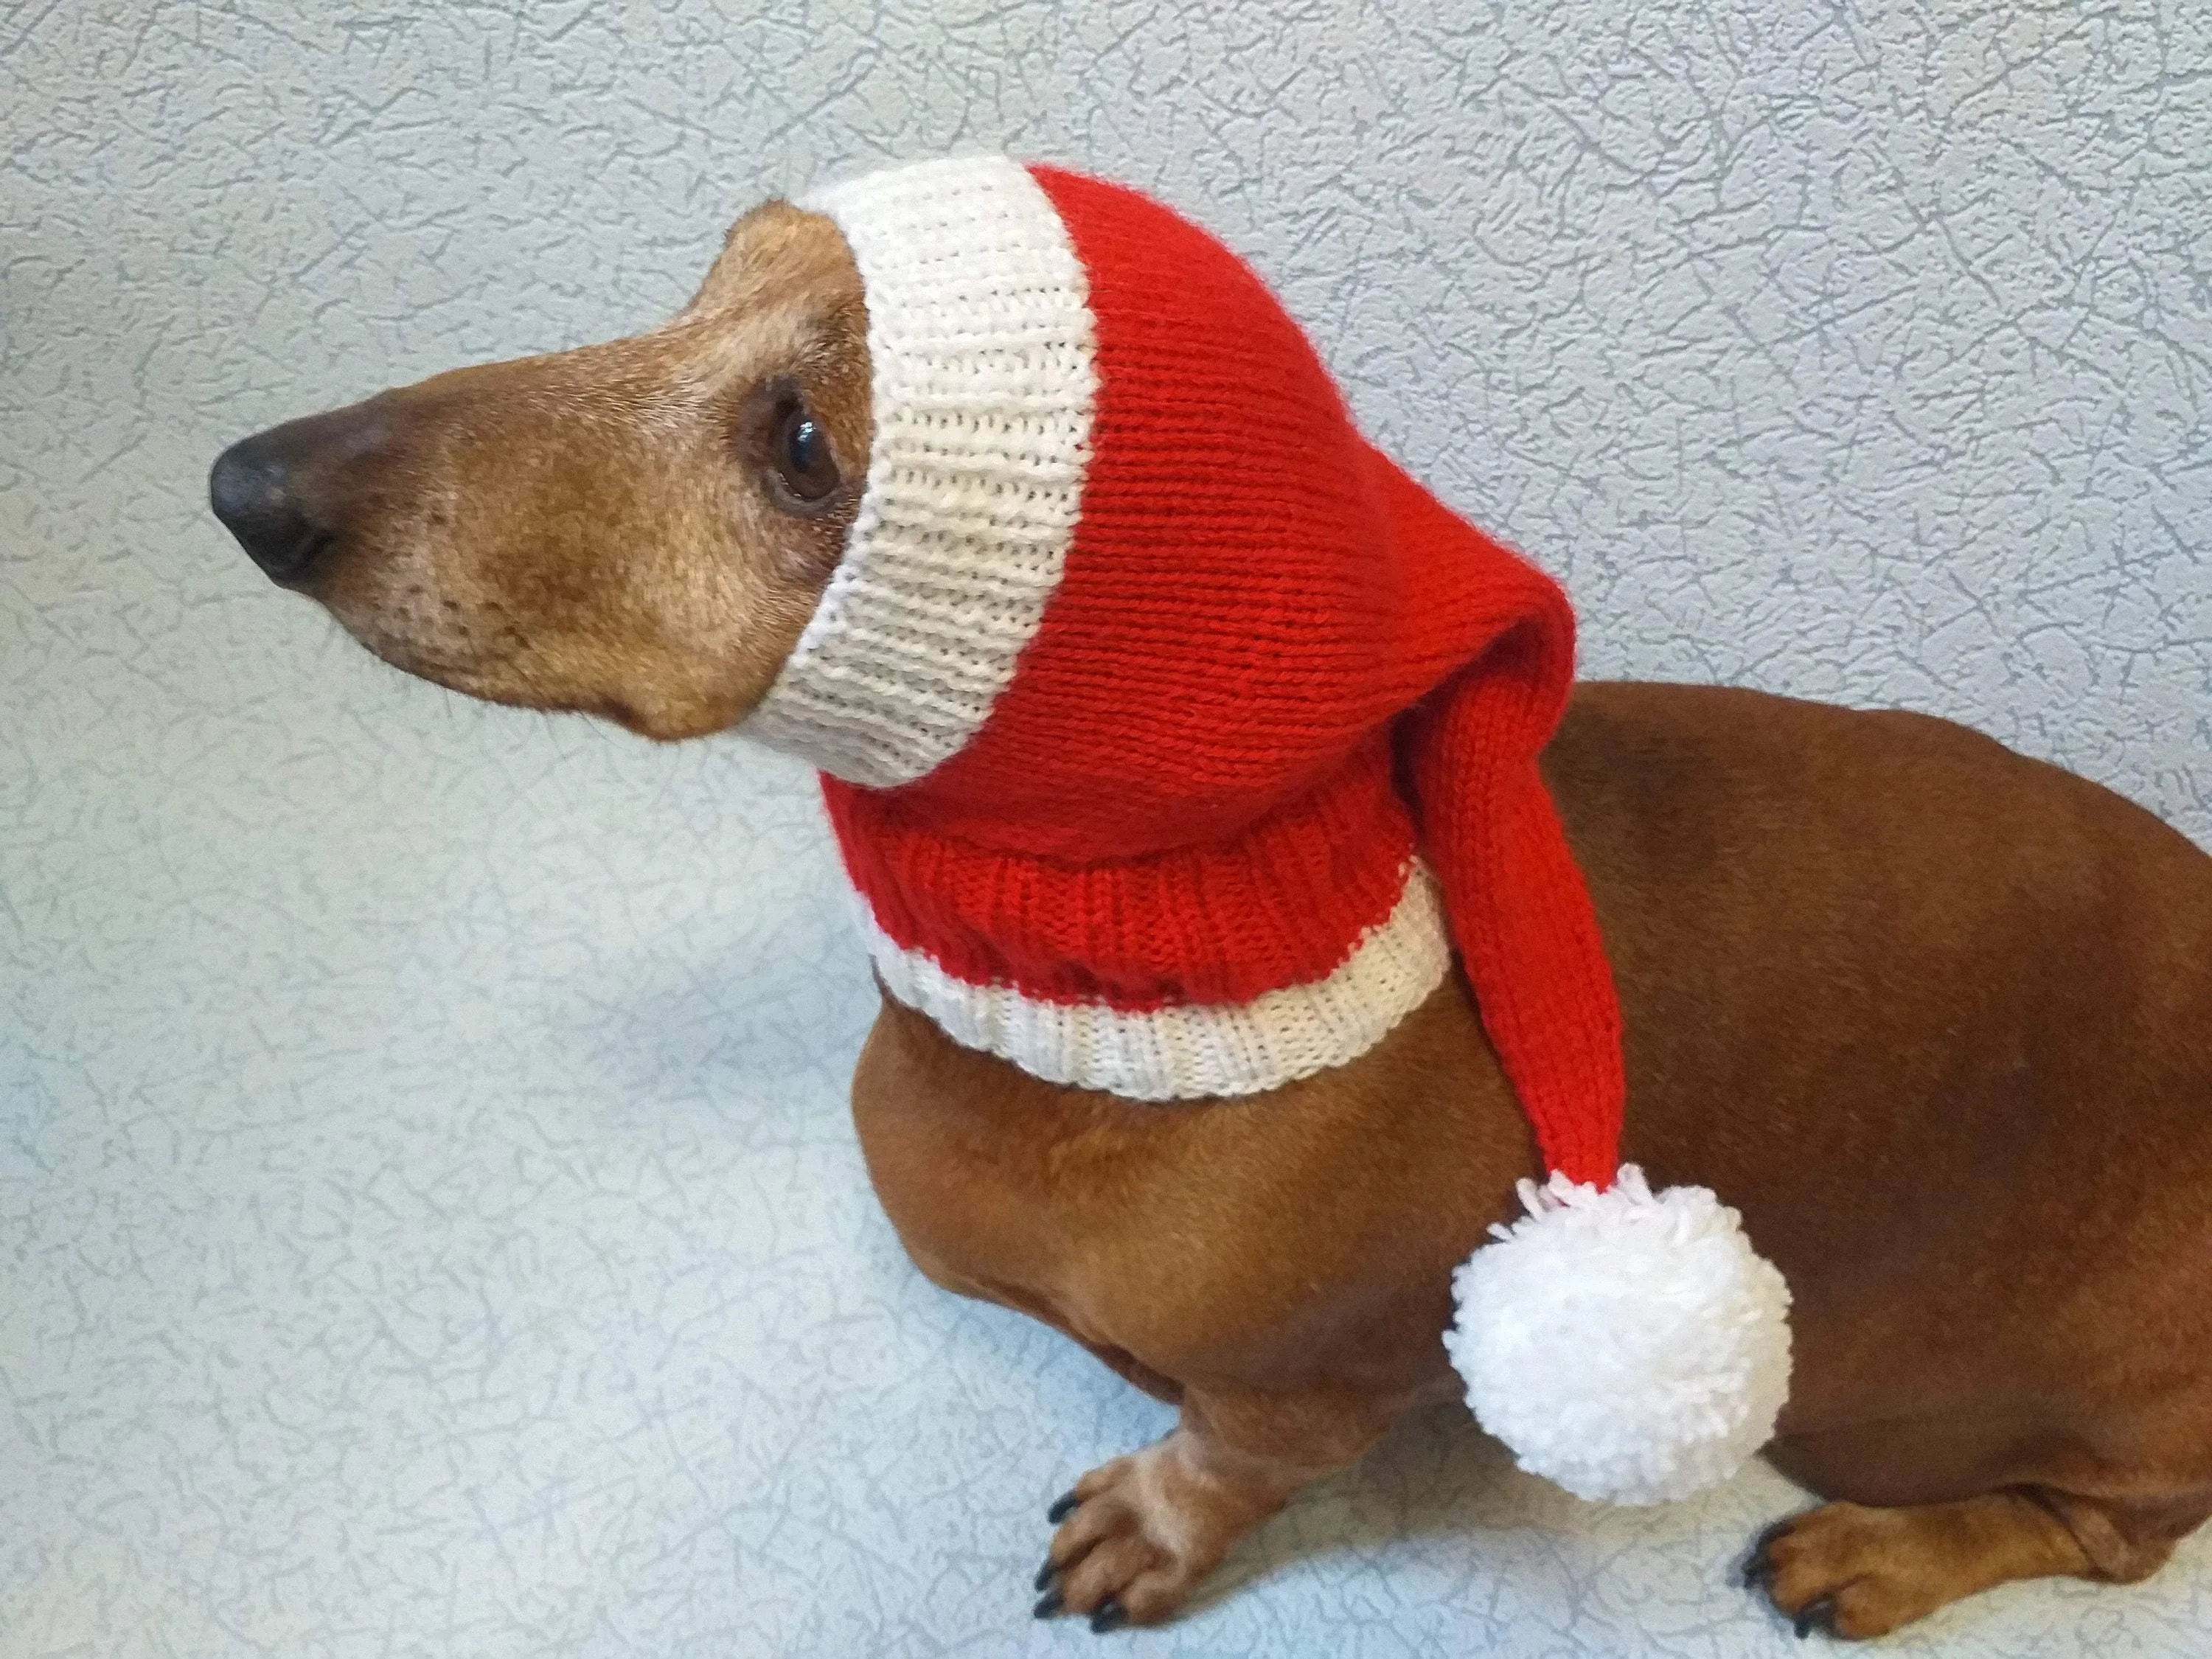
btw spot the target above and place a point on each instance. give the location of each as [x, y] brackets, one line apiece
[1936, 1018]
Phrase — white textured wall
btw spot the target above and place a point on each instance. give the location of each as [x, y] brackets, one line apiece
[429, 1222]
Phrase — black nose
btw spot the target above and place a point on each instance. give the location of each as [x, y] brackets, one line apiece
[253, 491]
[275, 491]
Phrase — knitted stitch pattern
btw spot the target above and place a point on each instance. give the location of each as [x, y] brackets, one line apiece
[1137, 660]
[981, 346]
[1156, 710]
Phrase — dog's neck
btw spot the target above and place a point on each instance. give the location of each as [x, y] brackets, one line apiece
[1228, 968]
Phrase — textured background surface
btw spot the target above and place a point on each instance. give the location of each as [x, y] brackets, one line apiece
[430, 1221]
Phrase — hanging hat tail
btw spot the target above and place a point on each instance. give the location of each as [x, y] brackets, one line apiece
[1627, 1345]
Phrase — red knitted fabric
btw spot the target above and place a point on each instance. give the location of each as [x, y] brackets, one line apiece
[1176, 741]
[1186, 794]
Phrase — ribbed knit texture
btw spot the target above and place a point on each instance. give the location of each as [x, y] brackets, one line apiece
[979, 337]
[1186, 796]
[1182, 1049]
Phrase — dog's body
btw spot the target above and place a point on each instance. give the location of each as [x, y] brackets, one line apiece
[1921, 1007]
[1936, 1018]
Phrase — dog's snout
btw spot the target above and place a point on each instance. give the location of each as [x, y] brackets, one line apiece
[273, 491]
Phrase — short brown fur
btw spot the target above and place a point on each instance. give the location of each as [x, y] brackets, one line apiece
[1937, 1019]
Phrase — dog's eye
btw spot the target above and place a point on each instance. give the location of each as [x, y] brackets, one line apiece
[799, 449]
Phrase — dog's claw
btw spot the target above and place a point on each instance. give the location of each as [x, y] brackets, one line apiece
[1816, 1615]
[1758, 1567]
[1048, 1604]
[1110, 1615]
[1046, 1574]
[1062, 1507]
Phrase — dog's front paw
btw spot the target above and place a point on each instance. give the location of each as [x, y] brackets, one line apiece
[1137, 1534]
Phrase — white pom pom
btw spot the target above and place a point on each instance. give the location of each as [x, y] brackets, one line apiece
[1630, 1347]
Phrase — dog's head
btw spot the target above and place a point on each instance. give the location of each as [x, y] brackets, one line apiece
[639, 529]
[971, 475]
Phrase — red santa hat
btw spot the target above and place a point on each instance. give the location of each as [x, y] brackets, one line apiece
[1175, 739]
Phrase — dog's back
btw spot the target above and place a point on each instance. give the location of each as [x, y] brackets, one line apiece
[1960, 1005]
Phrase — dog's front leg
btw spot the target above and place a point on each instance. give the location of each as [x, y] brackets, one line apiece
[1138, 1534]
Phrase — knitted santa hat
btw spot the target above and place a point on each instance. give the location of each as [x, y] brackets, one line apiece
[1174, 737]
